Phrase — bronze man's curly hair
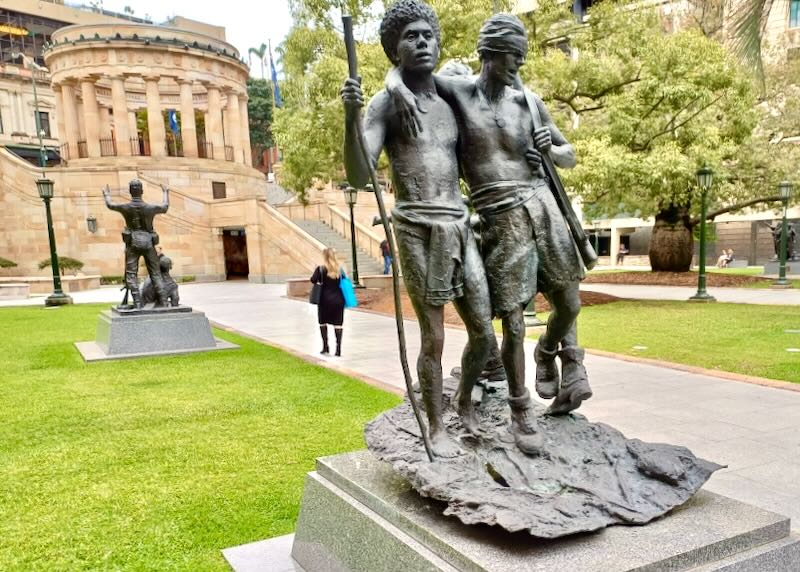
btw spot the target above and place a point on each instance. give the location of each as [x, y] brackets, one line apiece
[400, 15]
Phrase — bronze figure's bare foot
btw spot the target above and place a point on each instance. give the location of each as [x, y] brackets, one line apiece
[523, 424]
[469, 419]
[443, 446]
[546, 372]
[575, 385]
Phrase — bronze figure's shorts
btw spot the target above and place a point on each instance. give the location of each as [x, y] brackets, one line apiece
[524, 244]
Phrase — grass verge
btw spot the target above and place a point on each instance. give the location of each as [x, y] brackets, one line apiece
[739, 338]
[157, 464]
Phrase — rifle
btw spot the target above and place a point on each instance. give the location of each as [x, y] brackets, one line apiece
[588, 255]
[352, 65]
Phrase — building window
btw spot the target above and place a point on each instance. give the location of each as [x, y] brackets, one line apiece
[218, 190]
[44, 123]
[794, 14]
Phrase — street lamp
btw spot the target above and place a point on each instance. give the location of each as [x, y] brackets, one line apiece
[705, 176]
[57, 298]
[351, 198]
[785, 193]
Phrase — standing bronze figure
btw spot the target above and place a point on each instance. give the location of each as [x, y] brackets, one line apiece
[140, 240]
[437, 251]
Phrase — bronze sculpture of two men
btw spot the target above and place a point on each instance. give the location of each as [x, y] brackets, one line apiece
[434, 128]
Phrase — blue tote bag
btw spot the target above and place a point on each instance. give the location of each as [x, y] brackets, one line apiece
[349, 293]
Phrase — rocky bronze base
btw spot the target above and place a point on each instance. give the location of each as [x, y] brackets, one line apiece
[587, 476]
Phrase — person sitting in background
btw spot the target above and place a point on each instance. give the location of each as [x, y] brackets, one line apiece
[722, 260]
[623, 250]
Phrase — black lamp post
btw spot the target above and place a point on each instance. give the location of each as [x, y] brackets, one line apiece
[785, 193]
[57, 298]
[705, 177]
[351, 198]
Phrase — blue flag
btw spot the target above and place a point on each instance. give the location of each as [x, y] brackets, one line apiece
[276, 91]
[173, 121]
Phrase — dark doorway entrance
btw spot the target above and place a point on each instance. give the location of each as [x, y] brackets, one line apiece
[234, 243]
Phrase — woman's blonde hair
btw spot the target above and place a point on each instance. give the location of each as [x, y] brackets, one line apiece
[332, 264]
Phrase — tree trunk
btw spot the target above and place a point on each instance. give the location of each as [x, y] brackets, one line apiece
[672, 244]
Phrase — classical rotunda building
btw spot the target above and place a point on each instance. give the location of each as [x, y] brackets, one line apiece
[167, 106]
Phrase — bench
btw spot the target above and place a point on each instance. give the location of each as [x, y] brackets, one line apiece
[737, 264]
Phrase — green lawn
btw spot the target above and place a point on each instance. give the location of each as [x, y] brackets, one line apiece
[156, 464]
[741, 338]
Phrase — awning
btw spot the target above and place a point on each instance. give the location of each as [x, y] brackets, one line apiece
[30, 153]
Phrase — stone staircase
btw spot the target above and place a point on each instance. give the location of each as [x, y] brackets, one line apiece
[326, 235]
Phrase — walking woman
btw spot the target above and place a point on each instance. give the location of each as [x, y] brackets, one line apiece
[330, 310]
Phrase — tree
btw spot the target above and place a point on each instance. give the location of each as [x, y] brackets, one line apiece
[64, 263]
[261, 51]
[646, 109]
[259, 111]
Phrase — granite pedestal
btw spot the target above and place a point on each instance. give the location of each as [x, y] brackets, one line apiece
[359, 515]
[772, 268]
[130, 334]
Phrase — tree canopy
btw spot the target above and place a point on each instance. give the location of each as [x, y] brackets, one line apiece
[645, 102]
[259, 112]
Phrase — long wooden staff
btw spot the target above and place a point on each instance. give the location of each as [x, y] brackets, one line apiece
[352, 64]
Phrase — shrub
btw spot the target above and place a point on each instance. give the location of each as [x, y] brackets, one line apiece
[105, 280]
[188, 278]
[64, 263]
[6, 263]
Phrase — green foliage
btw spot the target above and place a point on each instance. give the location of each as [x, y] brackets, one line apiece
[188, 278]
[644, 110]
[108, 280]
[157, 463]
[6, 263]
[64, 263]
[259, 112]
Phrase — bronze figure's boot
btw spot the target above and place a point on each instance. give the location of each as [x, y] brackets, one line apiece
[523, 424]
[546, 372]
[575, 383]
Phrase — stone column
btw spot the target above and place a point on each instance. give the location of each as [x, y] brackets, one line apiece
[188, 127]
[91, 117]
[69, 112]
[59, 112]
[235, 127]
[155, 121]
[245, 130]
[214, 122]
[119, 102]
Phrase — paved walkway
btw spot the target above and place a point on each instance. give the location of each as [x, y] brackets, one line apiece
[734, 295]
[753, 429]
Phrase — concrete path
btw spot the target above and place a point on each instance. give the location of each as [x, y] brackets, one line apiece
[734, 295]
[753, 429]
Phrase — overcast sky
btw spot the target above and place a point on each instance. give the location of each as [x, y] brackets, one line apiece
[247, 24]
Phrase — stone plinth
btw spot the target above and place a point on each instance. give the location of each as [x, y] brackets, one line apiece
[149, 333]
[359, 515]
[772, 268]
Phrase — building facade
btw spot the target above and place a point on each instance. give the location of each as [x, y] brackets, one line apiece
[120, 98]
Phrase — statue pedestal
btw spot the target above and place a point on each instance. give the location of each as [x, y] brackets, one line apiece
[149, 332]
[359, 515]
[772, 268]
